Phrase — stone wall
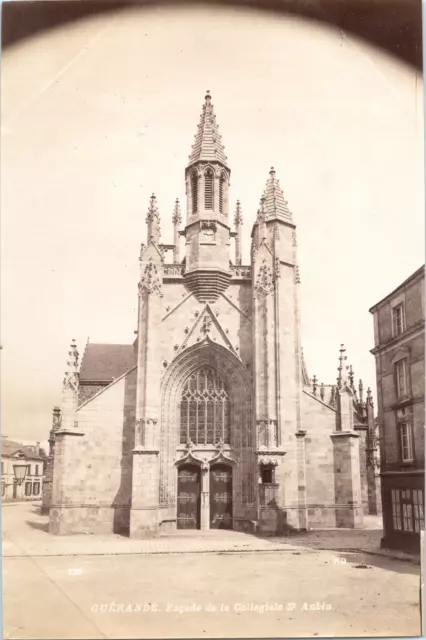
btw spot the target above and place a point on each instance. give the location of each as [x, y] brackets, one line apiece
[319, 421]
[92, 474]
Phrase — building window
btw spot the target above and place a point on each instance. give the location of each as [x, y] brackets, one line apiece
[3, 489]
[208, 189]
[28, 488]
[398, 320]
[194, 192]
[221, 188]
[406, 442]
[401, 378]
[36, 470]
[419, 522]
[407, 510]
[267, 475]
[2, 468]
[36, 488]
[204, 409]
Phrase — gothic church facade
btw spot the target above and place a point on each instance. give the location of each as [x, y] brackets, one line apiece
[209, 420]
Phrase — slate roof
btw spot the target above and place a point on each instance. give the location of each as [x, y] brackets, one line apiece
[10, 447]
[275, 203]
[208, 144]
[105, 362]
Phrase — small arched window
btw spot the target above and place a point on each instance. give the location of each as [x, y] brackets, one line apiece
[194, 192]
[208, 189]
[221, 191]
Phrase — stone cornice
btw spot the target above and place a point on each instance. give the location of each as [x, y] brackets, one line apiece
[399, 340]
[344, 434]
[146, 451]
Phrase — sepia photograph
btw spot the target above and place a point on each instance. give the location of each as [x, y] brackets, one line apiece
[212, 319]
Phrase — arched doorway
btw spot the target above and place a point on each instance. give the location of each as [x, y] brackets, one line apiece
[188, 497]
[221, 496]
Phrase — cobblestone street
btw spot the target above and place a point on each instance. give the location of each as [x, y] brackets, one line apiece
[203, 585]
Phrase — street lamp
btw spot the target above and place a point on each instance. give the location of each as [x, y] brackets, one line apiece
[20, 470]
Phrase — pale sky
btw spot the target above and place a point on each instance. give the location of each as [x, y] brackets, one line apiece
[98, 115]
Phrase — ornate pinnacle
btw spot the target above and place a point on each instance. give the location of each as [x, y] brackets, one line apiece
[322, 391]
[314, 385]
[238, 218]
[153, 220]
[73, 353]
[369, 400]
[177, 215]
[333, 395]
[342, 368]
[351, 377]
[361, 391]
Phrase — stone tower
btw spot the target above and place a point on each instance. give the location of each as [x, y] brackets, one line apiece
[277, 356]
[207, 232]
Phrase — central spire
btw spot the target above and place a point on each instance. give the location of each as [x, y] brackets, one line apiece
[208, 146]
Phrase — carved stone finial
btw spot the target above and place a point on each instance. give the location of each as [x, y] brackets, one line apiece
[314, 385]
[369, 399]
[361, 391]
[177, 215]
[220, 445]
[351, 377]
[333, 396]
[73, 353]
[322, 391]
[342, 368]
[238, 218]
[262, 213]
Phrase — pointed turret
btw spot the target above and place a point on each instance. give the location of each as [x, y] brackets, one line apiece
[153, 221]
[275, 204]
[208, 146]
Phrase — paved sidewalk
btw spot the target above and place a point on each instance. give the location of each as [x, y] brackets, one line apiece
[34, 540]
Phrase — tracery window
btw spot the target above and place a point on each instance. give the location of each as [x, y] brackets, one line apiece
[204, 409]
[208, 189]
[194, 192]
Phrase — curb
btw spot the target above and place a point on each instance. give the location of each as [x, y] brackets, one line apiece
[411, 560]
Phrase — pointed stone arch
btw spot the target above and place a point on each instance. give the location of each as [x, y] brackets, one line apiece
[238, 381]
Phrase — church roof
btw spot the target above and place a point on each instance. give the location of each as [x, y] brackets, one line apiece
[208, 145]
[275, 204]
[104, 362]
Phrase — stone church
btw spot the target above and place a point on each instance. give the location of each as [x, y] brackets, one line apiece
[209, 419]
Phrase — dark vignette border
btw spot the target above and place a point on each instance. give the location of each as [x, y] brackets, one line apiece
[394, 26]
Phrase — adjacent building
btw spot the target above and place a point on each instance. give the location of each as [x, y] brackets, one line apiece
[399, 338]
[13, 455]
[209, 418]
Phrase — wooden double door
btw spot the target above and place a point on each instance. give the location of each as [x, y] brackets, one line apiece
[189, 497]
